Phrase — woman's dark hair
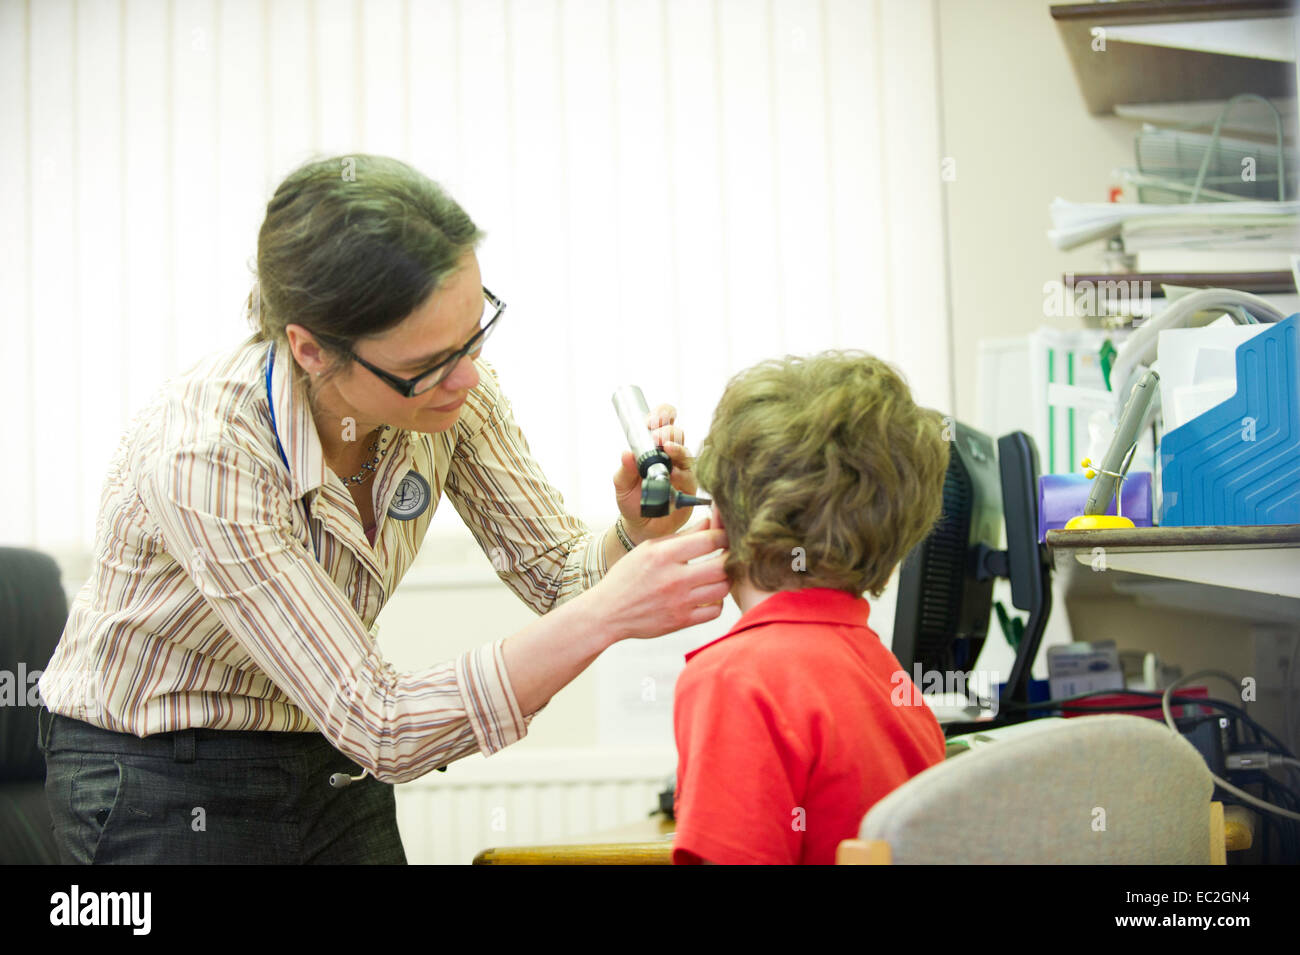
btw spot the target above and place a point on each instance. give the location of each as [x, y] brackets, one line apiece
[352, 245]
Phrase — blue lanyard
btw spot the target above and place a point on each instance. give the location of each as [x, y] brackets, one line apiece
[270, 402]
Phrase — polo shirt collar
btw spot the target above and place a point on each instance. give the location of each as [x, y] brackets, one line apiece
[809, 605]
[294, 424]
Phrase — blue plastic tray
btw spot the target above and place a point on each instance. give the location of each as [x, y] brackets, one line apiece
[1239, 462]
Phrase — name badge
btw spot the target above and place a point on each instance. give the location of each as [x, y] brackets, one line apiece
[411, 499]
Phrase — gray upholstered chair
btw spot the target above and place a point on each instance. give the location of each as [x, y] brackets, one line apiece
[33, 611]
[1101, 789]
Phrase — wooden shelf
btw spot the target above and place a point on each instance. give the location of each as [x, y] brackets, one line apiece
[1261, 283]
[1262, 559]
[1127, 72]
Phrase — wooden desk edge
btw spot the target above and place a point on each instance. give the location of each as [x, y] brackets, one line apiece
[1143, 539]
[606, 853]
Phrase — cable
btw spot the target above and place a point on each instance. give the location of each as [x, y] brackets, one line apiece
[1246, 718]
[1139, 349]
[1256, 729]
[1288, 698]
[1260, 759]
[1222, 783]
[1165, 698]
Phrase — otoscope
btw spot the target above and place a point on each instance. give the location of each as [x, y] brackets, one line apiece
[658, 496]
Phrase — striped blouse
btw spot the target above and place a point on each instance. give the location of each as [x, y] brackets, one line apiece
[214, 604]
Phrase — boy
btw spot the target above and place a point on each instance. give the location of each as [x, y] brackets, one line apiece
[824, 474]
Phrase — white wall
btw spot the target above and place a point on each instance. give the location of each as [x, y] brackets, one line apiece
[1015, 123]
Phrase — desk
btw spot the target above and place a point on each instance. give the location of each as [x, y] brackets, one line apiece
[1203, 598]
[1222, 582]
[641, 843]
[1259, 560]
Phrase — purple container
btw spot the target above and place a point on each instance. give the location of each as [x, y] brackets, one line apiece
[1063, 496]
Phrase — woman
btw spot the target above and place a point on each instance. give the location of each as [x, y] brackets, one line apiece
[218, 686]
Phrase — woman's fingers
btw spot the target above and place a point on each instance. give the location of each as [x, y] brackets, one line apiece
[677, 451]
[681, 465]
[710, 593]
[681, 548]
[701, 525]
[662, 415]
[704, 614]
[662, 427]
[668, 434]
[672, 439]
[657, 589]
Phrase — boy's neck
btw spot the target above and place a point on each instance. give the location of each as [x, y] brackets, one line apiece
[746, 595]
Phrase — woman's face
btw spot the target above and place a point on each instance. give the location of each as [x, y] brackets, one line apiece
[442, 325]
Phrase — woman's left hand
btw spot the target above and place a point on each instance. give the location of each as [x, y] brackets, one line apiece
[627, 480]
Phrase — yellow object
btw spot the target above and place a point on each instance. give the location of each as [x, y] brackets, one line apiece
[1238, 828]
[1096, 522]
[1218, 835]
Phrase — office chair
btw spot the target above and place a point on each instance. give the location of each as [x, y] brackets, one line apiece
[1102, 789]
[33, 611]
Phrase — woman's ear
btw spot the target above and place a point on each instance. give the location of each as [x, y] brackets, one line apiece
[715, 521]
[311, 358]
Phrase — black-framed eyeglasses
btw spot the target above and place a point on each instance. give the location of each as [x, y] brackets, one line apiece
[428, 380]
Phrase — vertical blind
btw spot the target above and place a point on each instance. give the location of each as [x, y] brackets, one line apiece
[672, 190]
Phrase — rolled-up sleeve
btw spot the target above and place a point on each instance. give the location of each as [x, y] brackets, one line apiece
[230, 525]
[542, 552]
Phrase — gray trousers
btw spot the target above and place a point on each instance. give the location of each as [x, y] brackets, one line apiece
[210, 796]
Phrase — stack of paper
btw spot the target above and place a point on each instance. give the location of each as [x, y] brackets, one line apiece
[1268, 226]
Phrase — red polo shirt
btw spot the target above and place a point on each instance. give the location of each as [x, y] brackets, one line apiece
[789, 728]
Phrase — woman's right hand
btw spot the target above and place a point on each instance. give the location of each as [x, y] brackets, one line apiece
[650, 591]
[653, 590]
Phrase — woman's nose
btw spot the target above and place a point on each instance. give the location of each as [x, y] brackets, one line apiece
[463, 377]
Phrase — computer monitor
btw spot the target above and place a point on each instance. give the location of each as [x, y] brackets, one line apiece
[942, 615]
[945, 588]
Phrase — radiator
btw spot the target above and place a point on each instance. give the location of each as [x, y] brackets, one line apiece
[528, 798]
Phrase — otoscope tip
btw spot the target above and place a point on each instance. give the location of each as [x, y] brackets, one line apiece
[687, 500]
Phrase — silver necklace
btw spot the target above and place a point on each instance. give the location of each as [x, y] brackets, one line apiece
[369, 468]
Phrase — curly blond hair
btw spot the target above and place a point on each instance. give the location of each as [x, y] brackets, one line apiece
[824, 471]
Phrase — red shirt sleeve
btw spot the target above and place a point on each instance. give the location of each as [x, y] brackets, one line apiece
[741, 770]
